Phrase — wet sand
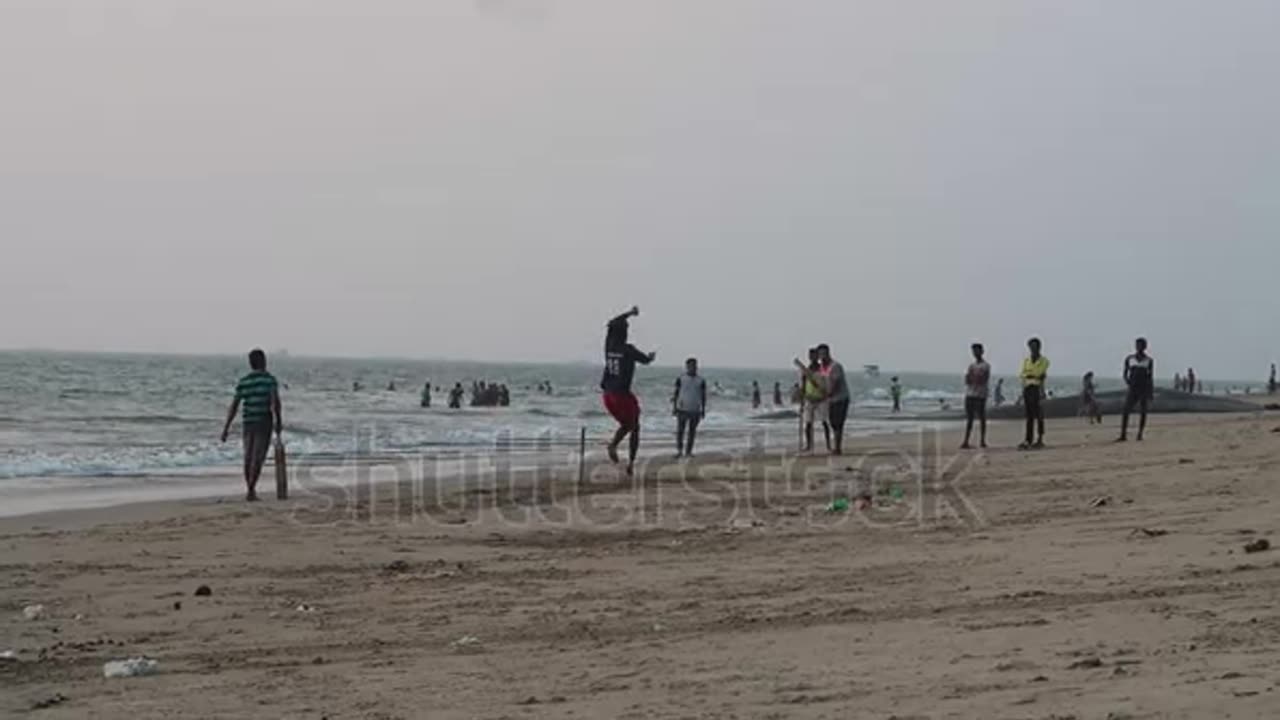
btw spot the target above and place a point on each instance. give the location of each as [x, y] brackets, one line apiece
[1087, 580]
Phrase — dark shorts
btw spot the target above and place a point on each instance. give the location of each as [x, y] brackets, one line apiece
[257, 440]
[837, 413]
[624, 407]
[1138, 396]
[975, 407]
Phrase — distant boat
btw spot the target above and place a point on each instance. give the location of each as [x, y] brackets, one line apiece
[871, 371]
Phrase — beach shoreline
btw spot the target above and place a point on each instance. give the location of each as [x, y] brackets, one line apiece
[1087, 578]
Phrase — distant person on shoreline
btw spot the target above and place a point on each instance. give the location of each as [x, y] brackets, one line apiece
[895, 392]
[1139, 375]
[356, 386]
[1177, 382]
[689, 405]
[258, 394]
[777, 394]
[1034, 374]
[838, 397]
[1271, 383]
[755, 395]
[426, 395]
[813, 397]
[391, 386]
[977, 387]
[1089, 399]
[455, 397]
[620, 358]
[999, 394]
[1191, 380]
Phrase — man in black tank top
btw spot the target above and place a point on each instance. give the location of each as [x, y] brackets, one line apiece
[1139, 375]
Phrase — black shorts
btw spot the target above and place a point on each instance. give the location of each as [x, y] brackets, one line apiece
[837, 413]
[975, 407]
[257, 441]
[1138, 396]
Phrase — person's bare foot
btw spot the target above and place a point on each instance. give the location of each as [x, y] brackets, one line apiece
[630, 470]
[613, 453]
[1122, 439]
[251, 497]
[966, 446]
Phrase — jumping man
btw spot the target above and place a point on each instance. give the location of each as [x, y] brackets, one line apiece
[620, 358]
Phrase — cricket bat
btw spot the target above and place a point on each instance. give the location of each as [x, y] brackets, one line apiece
[282, 472]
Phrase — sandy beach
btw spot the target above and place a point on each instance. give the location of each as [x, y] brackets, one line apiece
[1088, 580]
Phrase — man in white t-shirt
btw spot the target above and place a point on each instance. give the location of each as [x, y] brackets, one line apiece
[689, 404]
[977, 384]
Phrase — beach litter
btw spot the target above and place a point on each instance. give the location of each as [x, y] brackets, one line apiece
[305, 608]
[51, 701]
[204, 591]
[465, 642]
[1150, 532]
[133, 667]
[1101, 501]
[33, 612]
[8, 656]
[1257, 546]
[838, 505]
[397, 566]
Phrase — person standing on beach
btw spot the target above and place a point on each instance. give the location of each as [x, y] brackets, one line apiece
[999, 394]
[1139, 375]
[258, 394]
[755, 395]
[1089, 399]
[620, 358]
[813, 398]
[689, 404]
[1035, 373]
[777, 394]
[1271, 383]
[1191, 380]
[977, 384]
[838, 397]
[895, 392]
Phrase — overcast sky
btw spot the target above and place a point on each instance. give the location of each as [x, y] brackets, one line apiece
[490, 179]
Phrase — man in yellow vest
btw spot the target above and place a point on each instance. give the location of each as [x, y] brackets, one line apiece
[1035, 374]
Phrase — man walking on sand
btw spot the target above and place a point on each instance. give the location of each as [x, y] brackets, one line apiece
[977, 384]
[689, 403]
[1139, 375]
[1035, 373]
[620, 358]
[259, 394]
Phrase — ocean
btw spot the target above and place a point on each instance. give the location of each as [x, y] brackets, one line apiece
[88, 422]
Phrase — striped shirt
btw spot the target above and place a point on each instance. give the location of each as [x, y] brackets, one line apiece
[255, 391]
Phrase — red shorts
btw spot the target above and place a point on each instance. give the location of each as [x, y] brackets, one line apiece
[623, 407]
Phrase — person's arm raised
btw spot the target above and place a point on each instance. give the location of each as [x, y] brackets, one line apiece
[633, 312]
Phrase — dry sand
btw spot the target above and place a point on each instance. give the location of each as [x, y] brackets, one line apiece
[1088, 580]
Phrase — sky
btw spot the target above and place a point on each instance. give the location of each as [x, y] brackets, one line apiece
[492, 179]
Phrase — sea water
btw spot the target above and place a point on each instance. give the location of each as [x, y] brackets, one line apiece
[114, 421]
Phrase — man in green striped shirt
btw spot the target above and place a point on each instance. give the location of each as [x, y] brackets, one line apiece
[259, 395]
